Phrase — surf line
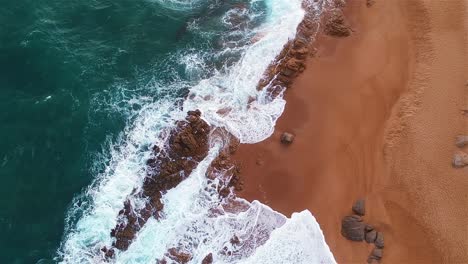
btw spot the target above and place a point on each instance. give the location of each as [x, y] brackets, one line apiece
[189, 140]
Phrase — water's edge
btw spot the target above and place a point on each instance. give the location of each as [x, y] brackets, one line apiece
[202, 218]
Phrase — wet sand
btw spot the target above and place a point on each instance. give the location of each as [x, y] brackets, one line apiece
[375, 116]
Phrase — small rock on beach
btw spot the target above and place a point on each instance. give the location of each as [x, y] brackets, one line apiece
[461, 141]
[287, 138]
[460, 160]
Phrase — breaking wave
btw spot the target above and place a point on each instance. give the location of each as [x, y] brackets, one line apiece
[222, 85]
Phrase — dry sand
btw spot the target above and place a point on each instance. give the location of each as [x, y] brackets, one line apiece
[375, 116]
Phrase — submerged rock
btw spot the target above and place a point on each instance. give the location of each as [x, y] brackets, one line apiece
[178, 256]
[352, 228]
[359, 207]
[208, 259]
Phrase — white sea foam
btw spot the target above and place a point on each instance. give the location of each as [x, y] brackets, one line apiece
[125, 172]
[230, 92]
[193, 219]
[178, 4]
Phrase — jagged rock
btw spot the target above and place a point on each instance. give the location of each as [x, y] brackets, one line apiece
[371, 236]
[187, 145]
[287, 138]
[460, 160]
[369, 228]
[379, 240]
[359, 207]
[336, 26]
[208, 259]
[461, 141]
[352, 228]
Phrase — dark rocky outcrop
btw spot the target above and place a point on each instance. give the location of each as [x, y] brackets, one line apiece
[359, 207]
[352, 228]
[187, 145]
[291, 61]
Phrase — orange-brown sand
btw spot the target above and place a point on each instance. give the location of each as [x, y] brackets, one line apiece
[375, 116]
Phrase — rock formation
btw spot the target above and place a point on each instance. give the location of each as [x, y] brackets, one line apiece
[353, 228]
[186, 147]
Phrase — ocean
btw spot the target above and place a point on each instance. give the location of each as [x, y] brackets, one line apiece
[88, 88]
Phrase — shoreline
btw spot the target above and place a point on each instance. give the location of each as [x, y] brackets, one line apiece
[357, 112]
[188, 144]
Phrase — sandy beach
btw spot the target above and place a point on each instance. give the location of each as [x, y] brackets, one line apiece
[375, 116]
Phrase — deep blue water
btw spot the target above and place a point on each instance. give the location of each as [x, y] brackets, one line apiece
[68, 73]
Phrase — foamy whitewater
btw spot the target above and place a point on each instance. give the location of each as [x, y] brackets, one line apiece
[188, 221]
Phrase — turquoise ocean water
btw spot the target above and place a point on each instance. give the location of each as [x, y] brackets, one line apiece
[69, 72]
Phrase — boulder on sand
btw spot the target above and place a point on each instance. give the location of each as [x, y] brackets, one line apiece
[287, 138]
[375, 256]
[359, 207]
[377, 253]
[460, 160]
[352, 228]
[461, 141]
